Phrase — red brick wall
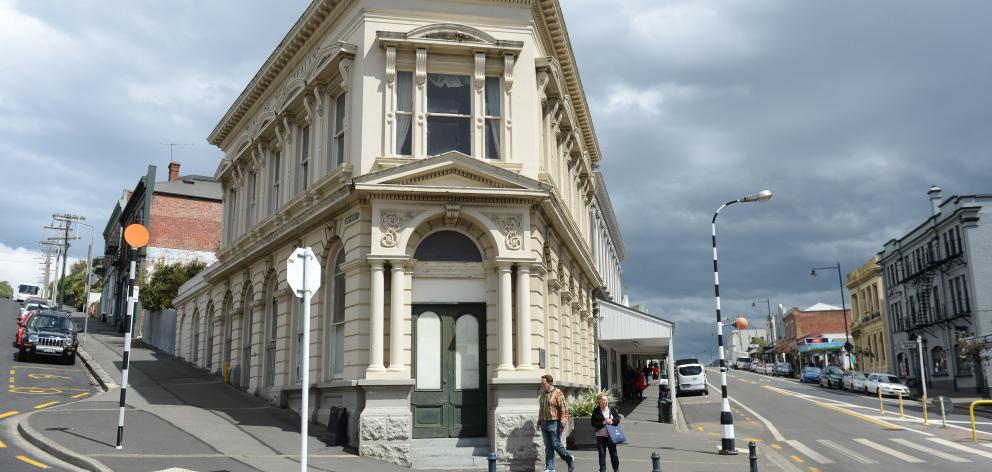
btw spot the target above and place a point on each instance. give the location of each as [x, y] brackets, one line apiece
[185, 223]
[819, 322]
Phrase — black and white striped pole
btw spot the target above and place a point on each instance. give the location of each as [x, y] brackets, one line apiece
[136, 237]
[726, 419]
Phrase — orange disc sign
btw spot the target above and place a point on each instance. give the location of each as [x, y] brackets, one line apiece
[136, 235]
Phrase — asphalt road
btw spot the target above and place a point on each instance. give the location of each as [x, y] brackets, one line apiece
[31, 386]
[819, 429]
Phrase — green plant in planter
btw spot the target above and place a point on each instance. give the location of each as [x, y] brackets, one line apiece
[585, 403]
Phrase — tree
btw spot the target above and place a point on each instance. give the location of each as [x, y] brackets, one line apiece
[75, 284]
[6, 291]
[163, 285]
[762, 346]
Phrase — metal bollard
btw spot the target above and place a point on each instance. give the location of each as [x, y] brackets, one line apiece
[943, 416]
[492, 461]
[655, 462]
[881, 404]
[753, 455]
[902, 414]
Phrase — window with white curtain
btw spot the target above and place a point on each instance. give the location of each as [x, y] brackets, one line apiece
[449, 114]
[302, 174]
[251, 199]
[493, 118]
[404, 113]
[336, 318]
[339, 127]
[276, 181]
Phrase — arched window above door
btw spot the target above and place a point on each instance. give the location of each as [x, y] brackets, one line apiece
[449, 246]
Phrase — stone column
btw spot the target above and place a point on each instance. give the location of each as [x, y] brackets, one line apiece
[523, 317]
[376, 334]
[396, 305]
[505, 327]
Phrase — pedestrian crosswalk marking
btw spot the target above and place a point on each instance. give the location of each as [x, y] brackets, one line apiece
[808, 452]
[889, 451]
[988, 445]
[961, 447]
[927, 450]
[846, 451]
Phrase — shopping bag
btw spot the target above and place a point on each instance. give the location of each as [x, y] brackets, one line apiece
[615, 434]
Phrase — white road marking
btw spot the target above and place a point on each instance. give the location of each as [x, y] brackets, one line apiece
[892, 452]
[846, 451]
[931, 451]
[806, 451]
[768, 424]
[961, 447]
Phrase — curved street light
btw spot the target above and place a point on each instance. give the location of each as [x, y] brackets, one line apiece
[848, 347]
[726, 419]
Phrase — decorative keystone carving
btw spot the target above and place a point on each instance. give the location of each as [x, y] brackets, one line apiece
[451, 213]
[509, 225]
[392, 222]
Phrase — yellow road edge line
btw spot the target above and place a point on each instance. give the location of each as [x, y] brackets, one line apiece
[12, 372]
[700, 429]
[43, 405]
[813, 469]
[9, 413]
[80, 395]
[855, 414]
[797, 459]
[40, 368]
[776, 446]
[757, 440]
[32, 462]
[779, 390]
[2, 445]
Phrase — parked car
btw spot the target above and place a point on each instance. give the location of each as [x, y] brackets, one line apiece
[783, 369]
[887, 383]
[28, 308]
[21, 329]
[691, 378]
[832, 377]
[51, 334]
[757, 366]
[810, 374]
[687, 360]
[768, 368]
[854, 381]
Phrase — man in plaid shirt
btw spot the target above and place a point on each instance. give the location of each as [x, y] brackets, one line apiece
[551, 420]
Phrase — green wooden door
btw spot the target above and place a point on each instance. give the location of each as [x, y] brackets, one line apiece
[449, 396]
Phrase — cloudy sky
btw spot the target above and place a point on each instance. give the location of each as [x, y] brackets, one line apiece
[847, 110]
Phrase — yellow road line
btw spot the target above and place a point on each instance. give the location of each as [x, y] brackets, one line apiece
[43, 405]
[884, 424]
[700, 429]
[2, 445]
[813, 469]
[779, 390]
[12, 371]
[714, 435]
[40, 368]
[33, 462]
[757, 440]
[797, 459]
[80, 395]
[9, 413]
[776, 446]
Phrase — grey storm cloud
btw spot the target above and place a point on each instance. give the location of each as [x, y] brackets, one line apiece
[847, 110]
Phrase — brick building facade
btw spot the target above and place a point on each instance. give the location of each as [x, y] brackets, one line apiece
[818, 332]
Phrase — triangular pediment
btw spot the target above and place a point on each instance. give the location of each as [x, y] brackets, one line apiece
[452, 170]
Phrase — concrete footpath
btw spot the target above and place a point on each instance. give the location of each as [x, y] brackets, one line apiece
[181, 417]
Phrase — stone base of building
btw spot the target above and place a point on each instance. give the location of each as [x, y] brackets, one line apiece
[386, 422]
[513, 430]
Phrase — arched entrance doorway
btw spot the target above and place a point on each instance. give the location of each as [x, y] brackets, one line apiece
[449, 396]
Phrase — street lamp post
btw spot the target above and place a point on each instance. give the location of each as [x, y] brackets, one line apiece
[89, 275]
[726, 419]
[771, 320]
[848, 347]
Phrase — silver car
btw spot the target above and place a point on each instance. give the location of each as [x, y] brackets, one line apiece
[887, 384]
[854, 381]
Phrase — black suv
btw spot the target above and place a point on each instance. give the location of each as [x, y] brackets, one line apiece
[50, 334]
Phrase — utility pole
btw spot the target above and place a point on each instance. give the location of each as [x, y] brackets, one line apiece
[48, 264]
[67, 220]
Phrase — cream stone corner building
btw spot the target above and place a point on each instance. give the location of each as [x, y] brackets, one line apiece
[440, 158]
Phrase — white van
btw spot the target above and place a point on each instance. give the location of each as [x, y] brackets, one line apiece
[26, 290]
[691, 378]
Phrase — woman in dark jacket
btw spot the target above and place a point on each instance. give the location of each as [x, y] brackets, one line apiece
[603, 415]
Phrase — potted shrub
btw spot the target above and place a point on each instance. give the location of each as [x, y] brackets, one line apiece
[582, 435]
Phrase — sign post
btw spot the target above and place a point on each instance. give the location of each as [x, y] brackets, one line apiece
[136, 237]
[303, 276]
[923, 380]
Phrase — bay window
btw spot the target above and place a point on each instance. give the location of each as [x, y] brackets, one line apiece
[449, 114]
[404, 113]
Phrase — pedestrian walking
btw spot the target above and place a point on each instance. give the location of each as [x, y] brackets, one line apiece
[605, 414]
[552, 416]
[640, 383]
